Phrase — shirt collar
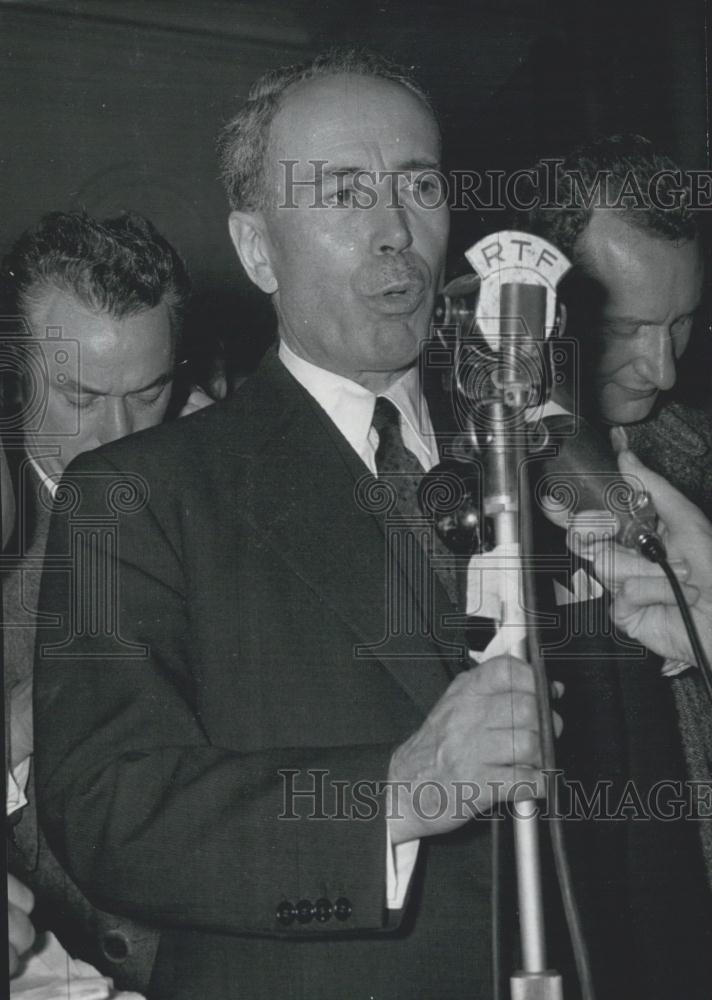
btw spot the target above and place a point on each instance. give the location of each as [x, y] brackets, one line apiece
[351, 406]
[49, 484]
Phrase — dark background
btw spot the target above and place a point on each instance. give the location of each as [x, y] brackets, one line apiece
[115, 104]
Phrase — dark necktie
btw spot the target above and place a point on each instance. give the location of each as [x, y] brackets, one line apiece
[399, 466]
[396, 463]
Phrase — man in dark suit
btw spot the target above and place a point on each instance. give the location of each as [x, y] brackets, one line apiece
[98, 309]
[214, 758]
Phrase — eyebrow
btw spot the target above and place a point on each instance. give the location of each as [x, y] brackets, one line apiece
[420, 164]
[79, 388]
[408, 165]
[332, 173]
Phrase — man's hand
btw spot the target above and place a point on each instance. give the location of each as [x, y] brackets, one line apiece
[21, 933]
[478, 741]
[644, 605]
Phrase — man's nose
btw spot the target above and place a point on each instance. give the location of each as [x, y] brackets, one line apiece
[117, 420]
[657, 364]
[391, 232]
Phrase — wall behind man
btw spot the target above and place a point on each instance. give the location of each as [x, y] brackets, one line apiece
[115, 104]
[110, 106]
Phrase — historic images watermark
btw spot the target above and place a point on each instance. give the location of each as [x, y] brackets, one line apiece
[425, 540]
[319, 184]
[29, 365]
[315, 794]
[91, 504]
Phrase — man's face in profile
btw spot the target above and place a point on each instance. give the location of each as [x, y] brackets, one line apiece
[120, 382]
[353, 286]
[645, 290]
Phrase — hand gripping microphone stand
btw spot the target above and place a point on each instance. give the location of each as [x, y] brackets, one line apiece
[502, 384]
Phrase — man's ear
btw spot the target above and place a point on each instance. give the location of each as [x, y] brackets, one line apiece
[247, 232]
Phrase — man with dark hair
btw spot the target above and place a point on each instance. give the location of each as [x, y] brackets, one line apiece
[179, 785]
[621, 216]
[92, 332]
[620, 213]
[116, 292]
[623, 173]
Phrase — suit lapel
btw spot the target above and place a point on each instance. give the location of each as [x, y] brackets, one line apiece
[314, 501]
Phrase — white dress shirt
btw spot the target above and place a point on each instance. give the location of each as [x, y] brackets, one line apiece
[351, 407]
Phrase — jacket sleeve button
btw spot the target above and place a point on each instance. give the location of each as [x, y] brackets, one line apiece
[323, 910]
[342, 908]
[115, 946]
[305, 911]
[285, 913]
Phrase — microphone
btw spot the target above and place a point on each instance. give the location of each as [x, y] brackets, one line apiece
[494, 390]
[502, 373]
[518, 382]
[580, 473]
[516, 311]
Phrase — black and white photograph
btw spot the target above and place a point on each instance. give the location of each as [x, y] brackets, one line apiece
[356, 499]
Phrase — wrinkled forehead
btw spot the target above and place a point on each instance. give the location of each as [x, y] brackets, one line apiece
[353, 121]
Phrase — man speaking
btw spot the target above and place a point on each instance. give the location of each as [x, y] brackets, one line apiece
[216, 764]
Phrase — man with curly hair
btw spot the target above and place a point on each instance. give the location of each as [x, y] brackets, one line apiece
[92, 329]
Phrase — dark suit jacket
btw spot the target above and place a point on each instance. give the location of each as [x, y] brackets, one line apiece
[249, 654]
[250, 616]
[118, 946]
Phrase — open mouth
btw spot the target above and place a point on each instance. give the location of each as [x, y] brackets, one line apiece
[641, 393]
[398, 297]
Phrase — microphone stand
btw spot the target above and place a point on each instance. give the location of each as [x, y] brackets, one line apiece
[516, 307]
[507, 453]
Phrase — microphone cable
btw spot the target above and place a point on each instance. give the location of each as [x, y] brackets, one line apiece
[653, 549]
